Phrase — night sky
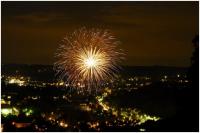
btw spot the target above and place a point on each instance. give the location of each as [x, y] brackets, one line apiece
[152, 33]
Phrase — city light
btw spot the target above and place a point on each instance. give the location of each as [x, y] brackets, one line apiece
[120, 116]
[18, 81]
[6, 111]
[93, 125]
[3, 101]
[125, 114]
[27, 111]
[63, 124]
[85, 107]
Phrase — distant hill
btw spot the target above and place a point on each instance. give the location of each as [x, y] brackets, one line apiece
[36, 72]
[153, 70]
[46, 71]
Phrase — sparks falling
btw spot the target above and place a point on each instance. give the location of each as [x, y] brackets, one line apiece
[88, 58]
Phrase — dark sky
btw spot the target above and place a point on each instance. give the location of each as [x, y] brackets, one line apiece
[152, 33]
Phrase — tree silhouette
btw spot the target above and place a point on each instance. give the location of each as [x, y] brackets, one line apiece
[186, 118]
[188, 98]
[193, 92]
[193, 73]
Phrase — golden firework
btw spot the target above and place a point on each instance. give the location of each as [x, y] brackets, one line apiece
[88, 58]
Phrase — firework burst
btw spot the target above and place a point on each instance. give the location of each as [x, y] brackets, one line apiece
[88, 58]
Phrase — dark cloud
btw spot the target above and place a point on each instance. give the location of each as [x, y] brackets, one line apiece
[152, 33]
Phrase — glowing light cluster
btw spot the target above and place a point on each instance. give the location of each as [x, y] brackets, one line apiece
[16, 81]
[63, 124]
[6, 111]
[27, 111]
[9, 111]
[94, 125]
[85, 107]
[88, 57]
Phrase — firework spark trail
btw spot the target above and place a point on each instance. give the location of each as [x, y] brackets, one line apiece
[88, 57]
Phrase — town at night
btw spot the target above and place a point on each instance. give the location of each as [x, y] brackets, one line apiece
[100, 66]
